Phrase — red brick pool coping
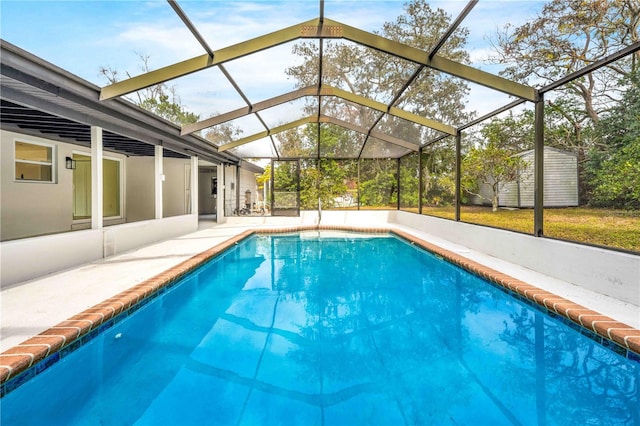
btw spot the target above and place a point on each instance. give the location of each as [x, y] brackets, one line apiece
[37, 348]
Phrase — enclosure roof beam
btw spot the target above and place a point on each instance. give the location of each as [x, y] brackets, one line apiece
[435, 140]
[198, 63]
[266, 133]
[437, 62]
[454, 26]
[634, 47]
[321, 119]
[433, 52]
[222, 68]
[396, 112]
[493, 113]
[378, 135]
[313, 91]
[241, 112]
[313, 29]
[187, 22]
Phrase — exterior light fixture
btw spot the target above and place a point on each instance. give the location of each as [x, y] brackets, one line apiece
[70, 163]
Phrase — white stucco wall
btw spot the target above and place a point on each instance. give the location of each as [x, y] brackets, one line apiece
[54, 253]
[174, 187]
[68, 249]
[34, 208]
[140, 189]
[608, 272]
[207, 202]
[247, 182]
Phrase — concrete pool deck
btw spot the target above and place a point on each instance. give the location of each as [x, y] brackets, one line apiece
[32, 307]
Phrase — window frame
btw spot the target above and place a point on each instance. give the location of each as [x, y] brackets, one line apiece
[53, 164]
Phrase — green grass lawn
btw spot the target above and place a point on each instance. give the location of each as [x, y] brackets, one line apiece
[611, 228]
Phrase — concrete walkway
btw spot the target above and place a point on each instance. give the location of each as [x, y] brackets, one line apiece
[31, 307]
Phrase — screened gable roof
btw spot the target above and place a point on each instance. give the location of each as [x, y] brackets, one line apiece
[305, 79]
[355, 121]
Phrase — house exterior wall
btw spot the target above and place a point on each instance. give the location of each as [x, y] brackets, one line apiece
[247, 182]
[174, 187]
[34, 208]
[207, 202]
[140, 189]
[29, 209]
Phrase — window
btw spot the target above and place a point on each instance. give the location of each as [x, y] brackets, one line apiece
[34, 162]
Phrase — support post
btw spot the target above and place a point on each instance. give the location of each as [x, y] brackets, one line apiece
[420, 181]
[359, 183]
[194, 186]
[272, 180]
[97, 213]
[538, 200]
[158, 179]
[398, 182]
[221, 194]
[238, 190]
[458, 173]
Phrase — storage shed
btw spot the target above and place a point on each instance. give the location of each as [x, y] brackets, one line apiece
[560, 182]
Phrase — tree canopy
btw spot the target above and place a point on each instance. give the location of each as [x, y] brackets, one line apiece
[377, 76]
[160, 99]
[615, 170]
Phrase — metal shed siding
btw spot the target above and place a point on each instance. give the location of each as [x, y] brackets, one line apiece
[560, 181]
[508, 195]
[560, 178]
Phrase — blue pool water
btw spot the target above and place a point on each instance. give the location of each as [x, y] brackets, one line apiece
[339, 330]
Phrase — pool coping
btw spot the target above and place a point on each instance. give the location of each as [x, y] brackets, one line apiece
[21, 362]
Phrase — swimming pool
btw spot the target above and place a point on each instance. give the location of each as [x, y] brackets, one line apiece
[343, 329]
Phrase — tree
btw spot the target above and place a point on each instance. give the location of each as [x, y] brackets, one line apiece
[378, 187]
[434, 94]
[493, 161]
[222, 133]
[409, 180]
[380, 76]
[160, 99]
[615, 171]
[567, 36]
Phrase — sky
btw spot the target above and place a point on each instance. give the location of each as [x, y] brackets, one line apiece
[81, 36]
